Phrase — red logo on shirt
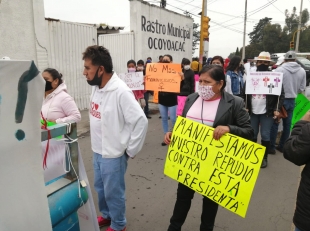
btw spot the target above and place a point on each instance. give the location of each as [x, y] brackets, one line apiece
[94, 110]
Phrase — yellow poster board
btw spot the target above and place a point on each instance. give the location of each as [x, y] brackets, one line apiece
[223, 170]
[163, 77]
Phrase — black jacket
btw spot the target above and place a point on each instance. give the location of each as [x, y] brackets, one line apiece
[296, 149]
[273, 102]
[188, 84]
[230, 112]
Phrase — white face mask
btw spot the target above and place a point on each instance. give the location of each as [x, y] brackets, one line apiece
[131, 69]
[186, 67]
[205, 92]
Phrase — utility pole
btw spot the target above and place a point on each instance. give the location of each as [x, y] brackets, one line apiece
[299, 26]
[244, 29]
[204, 34]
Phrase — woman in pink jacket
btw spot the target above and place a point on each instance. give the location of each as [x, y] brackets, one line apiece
[58, 106]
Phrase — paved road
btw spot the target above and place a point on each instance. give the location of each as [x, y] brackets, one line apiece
[151, 195]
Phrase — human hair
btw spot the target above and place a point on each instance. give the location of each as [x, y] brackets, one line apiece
[186, 61]
[140, 62]
[245, 60]
[234, 63]
[131, 61]
[169, 56]
[55, 74]
[204, 58]
[215, 72]
[160, 56]
[99, 56]
[220, 58]
[149, 58]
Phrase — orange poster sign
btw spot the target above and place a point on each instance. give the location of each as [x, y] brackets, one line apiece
[163, 77]
[155, 97]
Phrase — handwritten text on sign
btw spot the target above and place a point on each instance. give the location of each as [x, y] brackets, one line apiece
[302, 105]
[163, 77]
[223, 170]
[264, 83]
[133, 80]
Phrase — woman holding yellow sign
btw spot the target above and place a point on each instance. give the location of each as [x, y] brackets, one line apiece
[214, 107]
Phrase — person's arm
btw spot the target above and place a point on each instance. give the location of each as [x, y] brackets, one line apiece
[297, 146]
[70, 110]
[192, 82]
[228, 83]
[137, 121]
[281, 100]
[303, 83]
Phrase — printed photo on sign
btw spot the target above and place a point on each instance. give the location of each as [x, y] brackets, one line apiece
[163, 77]
[267, 83]
[223, 170]
[133, 80]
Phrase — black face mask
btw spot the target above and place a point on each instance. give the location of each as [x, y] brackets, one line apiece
[48, 85]
[165, 61]
[96, 81]
[262, 67]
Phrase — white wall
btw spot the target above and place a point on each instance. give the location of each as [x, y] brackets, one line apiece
[143, 14]
[22, 35]
[66, 43]
[121, 48]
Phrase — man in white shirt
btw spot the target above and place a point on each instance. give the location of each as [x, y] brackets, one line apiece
[117, 127]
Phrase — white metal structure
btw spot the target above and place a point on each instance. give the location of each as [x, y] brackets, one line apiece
[121, 48]
[66, 43]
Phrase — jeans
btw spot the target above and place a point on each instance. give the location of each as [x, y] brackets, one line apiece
[289, 105]
[109, 184]
[182, 206]
[265, 124]
[146, 108]
[164, 116]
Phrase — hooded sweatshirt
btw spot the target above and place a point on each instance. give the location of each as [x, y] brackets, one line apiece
[294, 78]
[59, 106]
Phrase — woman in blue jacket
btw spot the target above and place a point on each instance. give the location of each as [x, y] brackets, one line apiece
[234, 76]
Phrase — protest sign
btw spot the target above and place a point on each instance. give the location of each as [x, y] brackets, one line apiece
[223, 170]
[155, 97]
[163, 77]
[133, 80]
[264, 83]
[302, 105]
[181, 104]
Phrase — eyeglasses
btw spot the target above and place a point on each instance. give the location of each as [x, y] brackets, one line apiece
[263, 62]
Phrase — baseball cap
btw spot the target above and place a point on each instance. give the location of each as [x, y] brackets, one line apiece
[290, 55]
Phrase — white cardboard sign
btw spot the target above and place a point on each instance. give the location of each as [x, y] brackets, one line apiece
[264, 83]
[133, 80]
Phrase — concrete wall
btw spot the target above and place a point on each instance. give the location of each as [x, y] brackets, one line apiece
[154, 35]
[23, 35]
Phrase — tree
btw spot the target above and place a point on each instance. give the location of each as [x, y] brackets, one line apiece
[237, 53]
[256, 36]
[231, 55]
[196, 33]
[292, 19]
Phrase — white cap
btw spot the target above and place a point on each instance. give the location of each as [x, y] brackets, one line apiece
[290, 55]
[5, 58]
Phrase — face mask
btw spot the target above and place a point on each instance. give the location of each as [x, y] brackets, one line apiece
[48, 85]
[262, 67]
[166, 61]
[96, 81]
[131, 69]
[140, 68]
[205, 92]
[186, 67]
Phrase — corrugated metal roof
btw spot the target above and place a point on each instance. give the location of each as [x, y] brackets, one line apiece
[110, 27]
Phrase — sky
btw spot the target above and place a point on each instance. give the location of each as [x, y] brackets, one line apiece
[227, 16]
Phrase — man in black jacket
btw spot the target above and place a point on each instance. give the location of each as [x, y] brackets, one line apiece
[188, 80]
[296, 150]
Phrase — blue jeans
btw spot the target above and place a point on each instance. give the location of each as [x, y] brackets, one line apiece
[289, 105]
[109, 184]
[164, 116]
[265, 124]
[146, 98]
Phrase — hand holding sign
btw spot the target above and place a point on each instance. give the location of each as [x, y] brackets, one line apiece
[133, 80]
[163, 77]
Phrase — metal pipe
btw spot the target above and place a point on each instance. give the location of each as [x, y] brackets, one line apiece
[244, 29]
[299, 26]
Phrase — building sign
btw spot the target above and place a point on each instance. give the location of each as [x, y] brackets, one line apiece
[170, 30]
[159, 31]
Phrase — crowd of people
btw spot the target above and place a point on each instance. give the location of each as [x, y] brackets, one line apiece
[118, 122]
